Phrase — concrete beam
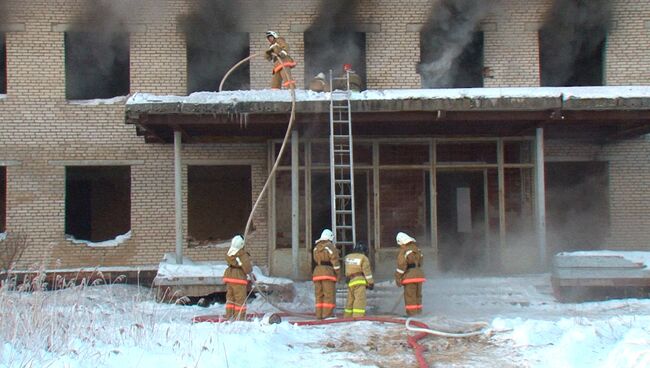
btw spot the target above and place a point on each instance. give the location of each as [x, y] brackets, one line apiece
[95, 162]
[89, 27]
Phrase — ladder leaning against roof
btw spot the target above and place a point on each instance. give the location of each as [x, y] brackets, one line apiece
[341, 164]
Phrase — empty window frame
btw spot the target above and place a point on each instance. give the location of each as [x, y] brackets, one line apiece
[465, 71]
[218, 202]
[3, 64]
[97, 202]
[567, 63]
[3, 199]
[210, 58]
[96, 65]
[325, 51]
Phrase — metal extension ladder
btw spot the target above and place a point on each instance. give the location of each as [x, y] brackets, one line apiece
[341, 165]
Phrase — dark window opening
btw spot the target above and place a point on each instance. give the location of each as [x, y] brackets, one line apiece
[577, 205]
[3, 199]
[218, 202]
[566, 63]
[465, 71]
[210, 58]
[96, 65]
[325, 51]
[3, 64]
[97, 202]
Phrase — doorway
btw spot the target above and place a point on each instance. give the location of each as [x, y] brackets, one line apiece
[461, 216]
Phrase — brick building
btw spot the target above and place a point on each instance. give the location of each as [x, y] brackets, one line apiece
[72, 167]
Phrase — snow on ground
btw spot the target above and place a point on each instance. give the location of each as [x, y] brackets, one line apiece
[117, 325]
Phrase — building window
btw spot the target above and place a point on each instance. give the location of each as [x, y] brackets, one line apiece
[325, 51]
[464, 71]
[218, 202]
[96, 65]
[3, 199]
[97, 202]
[3, 64]
[210, 58]
[564, 63]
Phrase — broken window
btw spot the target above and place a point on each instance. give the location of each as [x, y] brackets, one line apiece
[3, 64]
[3, 199]
[325, 51]
[218, 202]
[96, 65]
[210, 58]
[567, 63]
[464, 71]
[97, 202]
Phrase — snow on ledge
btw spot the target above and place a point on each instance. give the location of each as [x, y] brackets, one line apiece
[168, 269]
[639, 257]
[3, 236]
[99, 101]
[267, 95]
[105, 244]
[2, 96]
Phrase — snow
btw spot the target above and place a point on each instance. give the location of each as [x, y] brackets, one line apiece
[638, 257]
[3, 236]
[566, 93]
[99, 101]
[105, 244]
[117, 325]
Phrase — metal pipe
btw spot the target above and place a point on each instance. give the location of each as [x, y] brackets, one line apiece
[540, 196]
[178, 196]
[295, 202]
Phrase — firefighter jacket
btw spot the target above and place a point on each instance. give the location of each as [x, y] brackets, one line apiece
[357, 270]
[326, 257]
[318, 85]
[239, 266]
[278, 53]
[409, 260]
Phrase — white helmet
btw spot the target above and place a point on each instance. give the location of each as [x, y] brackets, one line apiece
[326, 235]
[320, 75]
[236, 244]
[273, 34]
[403, 239]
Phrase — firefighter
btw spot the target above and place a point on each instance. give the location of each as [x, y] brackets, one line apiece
[326, 273]
[235, 277]
[355, 80]
[359, 276]
[409, 274]
[319, 84]
[278, 54]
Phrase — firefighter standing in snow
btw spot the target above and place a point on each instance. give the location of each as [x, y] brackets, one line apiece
[235, 277]
[359, 276]
[278, 53]
[326, 272]
[409, 274]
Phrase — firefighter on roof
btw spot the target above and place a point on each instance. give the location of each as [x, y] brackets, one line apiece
[326, 273]
[409, 274]
[278, 54]
[235, 277]
[359, 276]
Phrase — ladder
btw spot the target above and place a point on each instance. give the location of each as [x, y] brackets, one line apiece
[341, 165]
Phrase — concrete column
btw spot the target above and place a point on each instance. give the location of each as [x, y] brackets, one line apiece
[178, 196]
[295, 202]
[540, 196]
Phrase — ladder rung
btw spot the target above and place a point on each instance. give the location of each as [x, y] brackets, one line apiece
[340, 121]
[344, 212]
[343, 196]
[344, 226]
[341, 136]
[342, 151]
[342, 181]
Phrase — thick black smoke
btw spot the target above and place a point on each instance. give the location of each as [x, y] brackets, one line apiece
[572, 41]
[97, 52]
[331, 40]
[215, 43]
[447, 33]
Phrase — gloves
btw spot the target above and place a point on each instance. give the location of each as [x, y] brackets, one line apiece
[398, 279]
[370, 286]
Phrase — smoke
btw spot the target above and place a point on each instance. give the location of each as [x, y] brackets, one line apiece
[570, 39]
[331, 40]
[97, 52]
[214, 44]
[449, 30]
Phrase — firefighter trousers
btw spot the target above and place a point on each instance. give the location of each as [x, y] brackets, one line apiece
[325, 298]
[413, 298]
[235, 301]
[356, 303]
[278, 80]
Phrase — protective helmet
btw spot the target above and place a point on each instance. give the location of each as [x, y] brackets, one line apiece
[326, 235]
[360, 248]
[403, 239]
[236, 244]
[320, 76]
[273, 34]
[347, 67]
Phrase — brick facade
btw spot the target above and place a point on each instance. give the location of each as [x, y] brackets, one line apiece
[41, 132]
